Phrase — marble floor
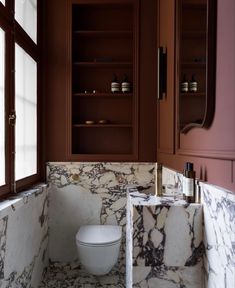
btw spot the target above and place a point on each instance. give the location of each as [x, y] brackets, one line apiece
[64, 275]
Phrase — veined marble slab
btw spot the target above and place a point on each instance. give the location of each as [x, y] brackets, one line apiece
[89, 193]
[219, 237]
[167, 244]
[60, 274]
[24, 238]
[218, 230]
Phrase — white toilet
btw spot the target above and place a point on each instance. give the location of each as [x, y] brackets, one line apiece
[98, 247]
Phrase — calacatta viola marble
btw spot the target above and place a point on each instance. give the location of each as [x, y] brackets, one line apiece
[68, 275]
[24, 238]
[219, 237]
[167, 244]
[89, 193]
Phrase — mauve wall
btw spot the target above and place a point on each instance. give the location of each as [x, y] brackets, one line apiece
[217, 143]
[220, 137]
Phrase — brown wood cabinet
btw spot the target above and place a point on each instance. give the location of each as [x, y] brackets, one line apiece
[85, 43]
[166, 106]
[104, 45]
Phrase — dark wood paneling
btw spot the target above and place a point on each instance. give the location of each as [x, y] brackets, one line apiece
[148, 81]
[55, 79]
[166, 105]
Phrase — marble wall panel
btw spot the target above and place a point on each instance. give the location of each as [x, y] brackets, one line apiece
[89, 193]
[3, 231]
[167, 244]
[218, 230]
[24, 238]
[219, 237]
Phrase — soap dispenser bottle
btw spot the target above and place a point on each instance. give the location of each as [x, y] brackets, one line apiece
[115, 85]
[189, 183]
[193, 84]
[184, 85]
[126, 85]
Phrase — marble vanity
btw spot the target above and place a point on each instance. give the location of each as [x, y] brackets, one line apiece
[164, 241]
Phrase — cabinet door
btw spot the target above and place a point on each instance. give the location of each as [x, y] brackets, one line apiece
[166, 39]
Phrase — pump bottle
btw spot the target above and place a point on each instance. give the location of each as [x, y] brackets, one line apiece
[189, 183]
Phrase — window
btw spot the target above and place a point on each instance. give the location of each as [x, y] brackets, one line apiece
[19, 121]
[26, 110]
[2, 107]
[26, 16]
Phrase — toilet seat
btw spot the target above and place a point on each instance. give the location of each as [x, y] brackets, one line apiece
[98, 235]
[97, 245]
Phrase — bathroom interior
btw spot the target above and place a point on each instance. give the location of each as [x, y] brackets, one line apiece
[108, 107]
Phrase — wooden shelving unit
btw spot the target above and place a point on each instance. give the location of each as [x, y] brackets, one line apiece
[192, 61]
[104, 43]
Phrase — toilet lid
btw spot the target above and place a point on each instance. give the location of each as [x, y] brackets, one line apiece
[99, 234]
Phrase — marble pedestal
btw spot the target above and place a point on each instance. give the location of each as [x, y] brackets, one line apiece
[164, 242]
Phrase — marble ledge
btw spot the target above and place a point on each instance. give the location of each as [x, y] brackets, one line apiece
[16, 201]
[140, 196]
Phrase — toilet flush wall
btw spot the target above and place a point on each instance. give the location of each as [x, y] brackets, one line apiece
[218, 231]
[167, 246]
[89, 193]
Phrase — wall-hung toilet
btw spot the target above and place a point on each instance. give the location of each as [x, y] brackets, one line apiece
[98, 247]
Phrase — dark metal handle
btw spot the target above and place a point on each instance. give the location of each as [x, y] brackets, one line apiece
[162, 70]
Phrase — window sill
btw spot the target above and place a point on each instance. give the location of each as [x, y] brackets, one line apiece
[13, 202]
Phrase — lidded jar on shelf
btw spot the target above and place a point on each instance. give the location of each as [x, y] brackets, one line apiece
[126, 85]
[115, 85]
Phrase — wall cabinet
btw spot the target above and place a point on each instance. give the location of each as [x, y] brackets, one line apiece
[212, 149]
[166, 40]
[104, 46]
[86, 42]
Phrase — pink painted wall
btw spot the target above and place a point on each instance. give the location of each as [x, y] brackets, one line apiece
[213, 150]
[220, 137]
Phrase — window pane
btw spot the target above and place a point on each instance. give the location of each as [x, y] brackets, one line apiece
[2, 107]
[26, 16]
[26, 114]
[3, 2]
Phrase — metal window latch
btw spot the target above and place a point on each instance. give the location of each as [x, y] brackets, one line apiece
[12, 118]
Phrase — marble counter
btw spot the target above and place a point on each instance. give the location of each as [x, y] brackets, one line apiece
[164, 241]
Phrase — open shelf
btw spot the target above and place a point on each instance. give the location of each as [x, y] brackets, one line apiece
[104, 44]
[192, 61]
[195, 65]
[103, 64]
[104, 33]
[193, 34]
[193, 94]
[105, 94]
[102, 125]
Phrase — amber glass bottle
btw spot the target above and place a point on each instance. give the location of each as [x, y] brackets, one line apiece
[189, 183]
